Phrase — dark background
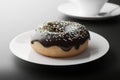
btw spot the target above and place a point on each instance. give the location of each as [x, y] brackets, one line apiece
[17, 16]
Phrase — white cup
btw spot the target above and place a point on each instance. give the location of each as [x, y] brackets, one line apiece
[88, 7]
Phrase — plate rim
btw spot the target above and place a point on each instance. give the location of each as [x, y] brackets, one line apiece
[57, 64]
[88, 17]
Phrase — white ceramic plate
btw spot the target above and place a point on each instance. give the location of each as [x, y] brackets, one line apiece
[20, 47]
[72, 11]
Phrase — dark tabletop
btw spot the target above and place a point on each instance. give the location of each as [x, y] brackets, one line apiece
[17, 16]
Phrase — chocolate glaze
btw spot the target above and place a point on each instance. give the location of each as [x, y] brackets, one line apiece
[72, 38]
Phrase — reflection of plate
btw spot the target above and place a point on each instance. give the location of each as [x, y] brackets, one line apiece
[20, 46]
[71, 10]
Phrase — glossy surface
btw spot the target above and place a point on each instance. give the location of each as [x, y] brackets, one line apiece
[21, 47]
[18, 16]
[63, 34]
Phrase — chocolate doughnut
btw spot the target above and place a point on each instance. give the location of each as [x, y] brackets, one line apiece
[60, 39]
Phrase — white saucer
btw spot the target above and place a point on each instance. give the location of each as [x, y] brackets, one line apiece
[20, 47]
[72, 11]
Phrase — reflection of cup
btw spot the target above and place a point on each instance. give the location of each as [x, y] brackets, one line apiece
[89, 7]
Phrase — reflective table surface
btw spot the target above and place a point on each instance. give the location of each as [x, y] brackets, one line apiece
[17, 16]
